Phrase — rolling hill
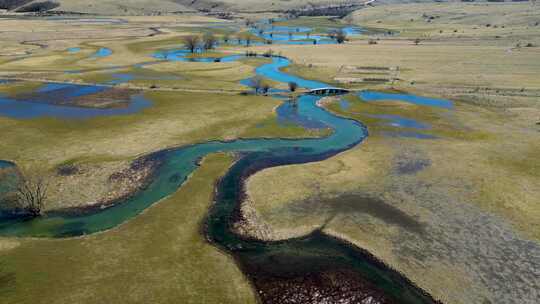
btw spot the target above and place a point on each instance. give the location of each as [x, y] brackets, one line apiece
[142, 7]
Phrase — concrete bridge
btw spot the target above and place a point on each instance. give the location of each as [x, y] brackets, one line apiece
[328, 91]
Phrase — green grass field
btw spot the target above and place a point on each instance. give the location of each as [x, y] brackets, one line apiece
[159, 257]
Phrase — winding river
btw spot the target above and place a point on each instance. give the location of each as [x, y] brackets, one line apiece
[299, 268]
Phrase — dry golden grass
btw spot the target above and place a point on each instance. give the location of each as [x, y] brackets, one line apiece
[456, 21]
[432, 65]
[496, 174]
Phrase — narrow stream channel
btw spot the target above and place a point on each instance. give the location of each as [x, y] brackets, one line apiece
[312, 269]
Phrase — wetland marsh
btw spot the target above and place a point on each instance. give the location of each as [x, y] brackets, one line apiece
[163, 163]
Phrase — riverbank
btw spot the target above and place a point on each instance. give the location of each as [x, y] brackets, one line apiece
[100, 263]
[403, 198]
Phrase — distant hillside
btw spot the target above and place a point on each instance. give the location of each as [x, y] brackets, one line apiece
[261, 5]
[143, 7]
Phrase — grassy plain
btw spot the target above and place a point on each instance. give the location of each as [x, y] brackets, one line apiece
[432, 208]
[105, 145]
[479, 63]
[442, 211]
[161, 256]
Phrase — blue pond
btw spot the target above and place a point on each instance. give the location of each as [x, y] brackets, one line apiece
[43, 105]
[74, 49]
[102, 52]
[27, 109]
[414, 99]
[184, 55]
[69, 90]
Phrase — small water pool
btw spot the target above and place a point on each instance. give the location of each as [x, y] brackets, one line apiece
[42, 103]
[414, 99]
[102, 52]
[27, 109]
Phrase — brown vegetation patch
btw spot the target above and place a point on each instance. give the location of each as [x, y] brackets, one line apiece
[130, 180]
[110, 98]
[328, 286]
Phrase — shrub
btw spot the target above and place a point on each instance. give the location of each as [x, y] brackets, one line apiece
[268, 53]
[293, 86]
[191, 42]
[209, 41]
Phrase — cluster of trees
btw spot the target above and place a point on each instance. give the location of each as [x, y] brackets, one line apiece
[339, 10]
[260, 86]
[209, 41]
[244, 38]
[198, 42]
[339, 35]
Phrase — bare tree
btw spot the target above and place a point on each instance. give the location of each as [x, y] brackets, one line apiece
[339, 35]
[293, 86]
[209, 41]
[191, 42]
[265, 88]
[31, 194]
